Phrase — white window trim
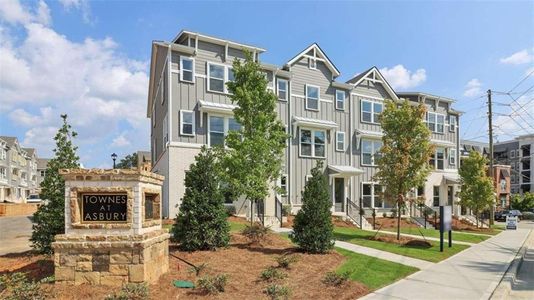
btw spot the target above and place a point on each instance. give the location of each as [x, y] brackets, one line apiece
[436, 123]
[436, 158]
[372, 184]
[373, 121]
[208, 77]
[225, 125]
[280, 184]
[277, 89]
[344, 99]
[452, 127]
[373, 153]
[434, 196]
[182, 58]
[452, 157]
[182, 111]
[337, 141]
[310, 65]
[318, 97]
[312, 143]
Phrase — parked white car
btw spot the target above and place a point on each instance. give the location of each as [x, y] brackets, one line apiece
[33, 199]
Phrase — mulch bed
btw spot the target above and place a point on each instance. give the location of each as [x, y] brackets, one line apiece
[242, 261]
[391, 223]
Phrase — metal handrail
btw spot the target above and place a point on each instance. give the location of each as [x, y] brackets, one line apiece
[278, 210]
[422, 208]
[353, 206]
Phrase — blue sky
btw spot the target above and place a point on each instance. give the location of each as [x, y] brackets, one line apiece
[90, 59]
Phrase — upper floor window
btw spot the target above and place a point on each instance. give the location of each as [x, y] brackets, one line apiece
[312, 63]
[452, 123]
[42, 172]
[437, 159]
[3, 173]
[370, 111]
[281, 89]
[370, 152]
[312, 143]
[435, 122]
[340, 141]
[218, 128]
[452, 157]
[512, 154]
[3, 154]
[340, 100]
[216, 78]
[187, 69]
[187, 122]
[312, 97]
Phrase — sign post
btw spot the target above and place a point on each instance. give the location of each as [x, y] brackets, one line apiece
[445, 224]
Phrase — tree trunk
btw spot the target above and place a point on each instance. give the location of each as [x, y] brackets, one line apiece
[251, 212]
[398, 215]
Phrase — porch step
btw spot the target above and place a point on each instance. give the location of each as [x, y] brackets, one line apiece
[472, 220]
[365, 224]
[420, 221]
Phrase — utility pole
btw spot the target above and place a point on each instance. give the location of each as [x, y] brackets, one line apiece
[490, 125]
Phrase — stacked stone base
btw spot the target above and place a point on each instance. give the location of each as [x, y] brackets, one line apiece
[110, 259]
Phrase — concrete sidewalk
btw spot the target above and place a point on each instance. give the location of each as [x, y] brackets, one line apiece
[471, 274]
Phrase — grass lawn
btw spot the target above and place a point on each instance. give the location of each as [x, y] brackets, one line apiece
[456, 235]
[361, 237]
[372, 271]
[234, 226]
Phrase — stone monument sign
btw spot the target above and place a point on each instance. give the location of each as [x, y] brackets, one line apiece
[113, 231]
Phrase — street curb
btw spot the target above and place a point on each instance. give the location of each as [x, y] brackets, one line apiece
[505, 285]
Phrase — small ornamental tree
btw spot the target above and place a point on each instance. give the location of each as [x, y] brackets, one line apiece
[128, 162]
[406, 149]
[201, 223]
[312, 227]
[476, 191]
[49, 219]
[254, 154]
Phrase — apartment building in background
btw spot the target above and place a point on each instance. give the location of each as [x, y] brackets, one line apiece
[329, 120]
[18, 171]
[519, 154]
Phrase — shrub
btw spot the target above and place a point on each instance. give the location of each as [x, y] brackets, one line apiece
[276, 292]
[230, 209]
[313, 228]
[17, 286]
[286, 260]
[428, 212]
[286, 210]
[201, 223]
[393, 213]
[212, 284]
[384, 215]
[255, 232]
[527, 215]
[272, 274]
[335, 279]
[131, 291]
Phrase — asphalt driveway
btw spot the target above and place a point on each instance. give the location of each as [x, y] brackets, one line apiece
[15, 233]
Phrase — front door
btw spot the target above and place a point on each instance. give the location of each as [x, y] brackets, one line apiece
[450, 195]
[339, 194]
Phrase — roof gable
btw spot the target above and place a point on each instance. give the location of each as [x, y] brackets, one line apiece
[374, 75]
[315, 52]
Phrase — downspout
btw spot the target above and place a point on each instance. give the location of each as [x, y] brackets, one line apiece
[169, 120]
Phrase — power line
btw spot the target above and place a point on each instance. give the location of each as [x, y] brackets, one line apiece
[521, 81]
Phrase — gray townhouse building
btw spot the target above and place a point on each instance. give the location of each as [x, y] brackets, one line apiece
[18, 170]
[337, 122]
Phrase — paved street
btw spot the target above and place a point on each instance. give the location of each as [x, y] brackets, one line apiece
[523, 287]
[471, 274]
[15, 233]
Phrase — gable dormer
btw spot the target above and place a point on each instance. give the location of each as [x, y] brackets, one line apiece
[373, 79]
[314, 56]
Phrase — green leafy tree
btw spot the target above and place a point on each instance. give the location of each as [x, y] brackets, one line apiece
[405, 152]
[128, 162]
[476, 186]
[523, 202]
[201, 223]
[49, 219]
[312, 227]
[254, 156]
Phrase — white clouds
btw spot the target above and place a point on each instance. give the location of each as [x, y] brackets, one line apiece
[12, 12]
[401, 78]
[82, 5]
[519, 58]
[473, 88]
[120, 141]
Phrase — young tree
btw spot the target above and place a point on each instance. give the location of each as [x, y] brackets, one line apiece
[128, 162]
[49, 219]
[405, 151]
[523, 202]
[312, 227]
[201, 223]
[254, 155]
[476, 190]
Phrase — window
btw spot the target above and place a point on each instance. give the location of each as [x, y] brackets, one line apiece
[340, 100]
[283, 185]
[42, 172]
[216, 78]
[312, 63]
[218, 128]
[437, 159]
[340, 141]
[452, 123]
[187, 122]
[512, 154]
[435, 196]
[312, 97]
[372, 195]
[312, 143]
[3, 173]
[435, 122]
[281, 89]
[3, 154]
[370, 152]
[187, 69]
[370, 111]
[452, 157]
